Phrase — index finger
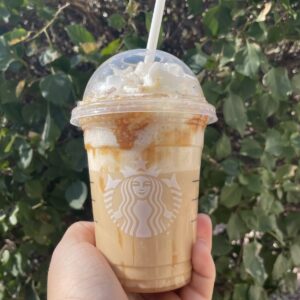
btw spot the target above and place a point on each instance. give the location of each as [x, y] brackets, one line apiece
[204, 230]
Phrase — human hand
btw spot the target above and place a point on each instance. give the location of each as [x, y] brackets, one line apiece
[79, 271]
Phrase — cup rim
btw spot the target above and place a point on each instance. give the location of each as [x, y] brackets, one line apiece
[86, 109]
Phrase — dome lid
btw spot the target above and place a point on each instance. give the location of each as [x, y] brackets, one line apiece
[126, 83]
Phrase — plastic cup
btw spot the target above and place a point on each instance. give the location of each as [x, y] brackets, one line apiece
[143, 132]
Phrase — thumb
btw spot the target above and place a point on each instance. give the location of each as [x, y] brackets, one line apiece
[78, 270]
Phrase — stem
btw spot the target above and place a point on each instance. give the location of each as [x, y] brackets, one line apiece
[38, 205]
[211, 160]
[48, 38]
[51, 46]
[239, 260]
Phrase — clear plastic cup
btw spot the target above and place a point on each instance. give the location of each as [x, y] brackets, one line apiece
[143, 131]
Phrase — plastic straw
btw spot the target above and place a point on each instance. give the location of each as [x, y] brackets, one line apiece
[154, 30]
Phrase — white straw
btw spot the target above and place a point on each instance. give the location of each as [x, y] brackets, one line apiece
[154, 30]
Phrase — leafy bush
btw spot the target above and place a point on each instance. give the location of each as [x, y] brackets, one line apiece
[246, 55]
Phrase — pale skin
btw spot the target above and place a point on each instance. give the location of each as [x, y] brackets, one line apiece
[78, 270]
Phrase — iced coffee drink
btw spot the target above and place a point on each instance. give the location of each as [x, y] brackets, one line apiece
[143, 129]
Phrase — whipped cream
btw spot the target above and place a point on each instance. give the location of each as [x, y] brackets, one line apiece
[168, 79]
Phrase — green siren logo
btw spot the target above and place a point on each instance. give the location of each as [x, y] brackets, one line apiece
[142, 203]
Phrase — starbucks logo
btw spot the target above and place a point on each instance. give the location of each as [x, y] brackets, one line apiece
[142, 203]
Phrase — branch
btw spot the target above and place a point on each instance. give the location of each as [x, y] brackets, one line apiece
[211, 160]
[292, 208]
[44, 29]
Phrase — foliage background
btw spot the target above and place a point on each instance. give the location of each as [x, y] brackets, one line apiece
[246, 55]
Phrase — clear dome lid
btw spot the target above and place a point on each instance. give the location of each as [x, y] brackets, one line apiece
[128, 83]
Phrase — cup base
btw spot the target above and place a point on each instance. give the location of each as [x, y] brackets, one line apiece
[156, 286]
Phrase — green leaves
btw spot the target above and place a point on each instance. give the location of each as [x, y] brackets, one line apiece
[26, 154]
[243, 86]
[253, 263]
[4, 14]
[231, 195]
[6, 55]
[223, 147]
[73, 155]
[252, 182]
[196, 60]
[111, 48]
[278, 82]
[13, 218]
[134, 42]
[56, 88]
[281, 266]
[243, 53]
[51, 131]
[195, 6]
[14, 4]
[248, 59]
[48, 56]
[76, 194]
[8, 92]
[295, 254]
[235, 113]
[296, 84]
[236, 228]
[16, 36]
[34, 189]
[217, 20]
[285, 172]
[257, 292]
[79, 35]
[240, 291]
[251, 148]
[208, 203]
[289, 283]
[274, 142]
[267, 105]
[116, 21]
[221, 245]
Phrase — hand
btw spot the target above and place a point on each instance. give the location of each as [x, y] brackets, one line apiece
[78, 270]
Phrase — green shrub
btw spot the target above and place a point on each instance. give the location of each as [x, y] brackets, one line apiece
[246, 55]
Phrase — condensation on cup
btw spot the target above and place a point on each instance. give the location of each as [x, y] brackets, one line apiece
[143, 129]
